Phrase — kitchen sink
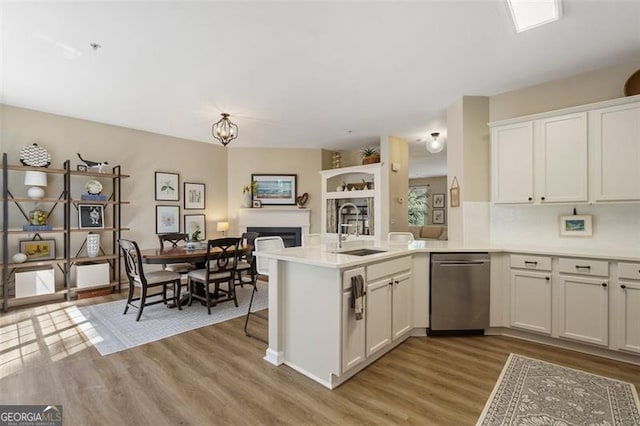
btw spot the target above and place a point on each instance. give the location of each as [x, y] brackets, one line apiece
[361, 252]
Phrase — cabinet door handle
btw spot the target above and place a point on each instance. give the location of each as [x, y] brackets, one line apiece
[529, 262]
[623, 286]
[583, 267]
[391, 282]
[542, 198]
[530, 198]
[604, 284]
[547, 278]
[397, 282]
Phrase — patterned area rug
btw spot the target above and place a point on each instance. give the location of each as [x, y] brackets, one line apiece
[531, 392]
[110, 331]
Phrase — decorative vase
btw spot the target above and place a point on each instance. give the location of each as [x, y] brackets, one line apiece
[93, 245]
[246, 201]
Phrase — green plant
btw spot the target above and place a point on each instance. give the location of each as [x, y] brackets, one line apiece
[251, 188]
[369, 152]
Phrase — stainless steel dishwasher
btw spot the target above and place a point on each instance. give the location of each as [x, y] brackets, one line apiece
[459, 293]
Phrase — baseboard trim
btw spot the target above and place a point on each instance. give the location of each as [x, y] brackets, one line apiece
[273, 357]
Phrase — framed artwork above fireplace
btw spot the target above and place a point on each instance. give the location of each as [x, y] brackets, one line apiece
[280, 190]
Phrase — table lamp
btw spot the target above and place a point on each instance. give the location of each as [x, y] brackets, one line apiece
[35, 180]
[222, 226]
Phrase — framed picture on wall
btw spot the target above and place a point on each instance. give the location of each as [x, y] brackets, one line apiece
[167, 219]
[275, 189]
[194, 196]
[438, 216]
[576, 226]
[438, 201]
[167, 186]
[195, 226]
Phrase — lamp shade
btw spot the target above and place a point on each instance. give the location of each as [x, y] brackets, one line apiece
[32, 178]
[222, 226]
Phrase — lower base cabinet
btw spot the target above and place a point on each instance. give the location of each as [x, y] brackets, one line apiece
[584, 310]
[531, 301]
[378, 307]
[353, 334]
[629, 308]
[401, 310]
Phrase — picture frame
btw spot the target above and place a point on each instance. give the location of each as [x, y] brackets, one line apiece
[257, 204]
[438, 201]
[194, 196]
[167, 219]
[90, 216]
[81, 168]
[454, 193]
[273, 189]
[37, 250]
[193, 222]
[438, 217]
[167, 186]
[576, 226]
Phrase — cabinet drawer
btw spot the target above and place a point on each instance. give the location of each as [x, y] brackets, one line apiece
[389, 267]
[538, 263]
[583, 267]
[629, 270]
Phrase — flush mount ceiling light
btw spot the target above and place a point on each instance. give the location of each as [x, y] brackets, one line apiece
[224, 130]
[528, 14]
[435, 145]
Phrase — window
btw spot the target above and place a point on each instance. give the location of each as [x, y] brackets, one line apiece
[417, 204]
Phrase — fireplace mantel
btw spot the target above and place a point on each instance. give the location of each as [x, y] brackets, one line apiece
[274, 217]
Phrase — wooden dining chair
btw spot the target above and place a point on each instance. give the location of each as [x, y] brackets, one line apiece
[220, 269]
[174, 239]
[246, 269]
[144, 281]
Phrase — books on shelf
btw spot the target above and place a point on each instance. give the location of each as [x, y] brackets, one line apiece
[37, 227]
[93, 197]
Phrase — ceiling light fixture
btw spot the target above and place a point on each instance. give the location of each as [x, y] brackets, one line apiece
[224, 130]
[435, 145]
[528, 14]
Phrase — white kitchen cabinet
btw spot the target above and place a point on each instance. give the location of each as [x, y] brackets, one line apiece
[531, 300]
[561, 168]
[512, 163]
[401, 310]
[378, 307]
[541, 161]
[584, 309]
[628, 331]
[615, 153]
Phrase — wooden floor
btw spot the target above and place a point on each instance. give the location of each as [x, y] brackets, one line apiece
[216, 375]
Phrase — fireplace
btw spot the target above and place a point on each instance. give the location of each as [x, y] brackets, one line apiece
[292, 237]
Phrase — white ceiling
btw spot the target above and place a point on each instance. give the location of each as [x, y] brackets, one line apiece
[334, 75]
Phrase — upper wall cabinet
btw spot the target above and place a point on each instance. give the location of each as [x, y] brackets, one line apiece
[615, 154]
[577, 155]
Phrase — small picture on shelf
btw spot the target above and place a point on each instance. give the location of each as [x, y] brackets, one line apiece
[82, 168]
[90, 216]
[37, 250]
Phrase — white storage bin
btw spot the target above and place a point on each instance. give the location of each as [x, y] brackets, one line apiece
[90, 275]
[35, 283]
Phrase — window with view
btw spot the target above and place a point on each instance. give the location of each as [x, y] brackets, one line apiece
[417, 204]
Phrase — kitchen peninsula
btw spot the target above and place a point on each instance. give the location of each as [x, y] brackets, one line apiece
[313, 329]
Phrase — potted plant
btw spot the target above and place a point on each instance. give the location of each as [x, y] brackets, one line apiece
[247, 191]
[370, 155]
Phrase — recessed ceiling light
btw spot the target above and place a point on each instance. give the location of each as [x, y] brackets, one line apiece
[95, 46]
[528, 14]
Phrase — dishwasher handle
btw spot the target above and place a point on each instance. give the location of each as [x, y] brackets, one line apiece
[460, 262]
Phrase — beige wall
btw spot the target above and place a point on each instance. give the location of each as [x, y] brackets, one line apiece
[397, 152]
[437, 185]
[594, 86]
[139, 153]
[306, 163]
[455, 165]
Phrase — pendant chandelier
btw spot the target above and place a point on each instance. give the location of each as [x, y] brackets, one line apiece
[435, 145]
[224, 130]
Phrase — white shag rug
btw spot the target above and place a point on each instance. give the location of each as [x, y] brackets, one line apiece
[110, 331]
[531, 392]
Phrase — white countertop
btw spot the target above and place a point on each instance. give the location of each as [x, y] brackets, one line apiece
[327, 255]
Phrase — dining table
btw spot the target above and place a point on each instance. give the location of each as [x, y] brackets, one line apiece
[181, 254]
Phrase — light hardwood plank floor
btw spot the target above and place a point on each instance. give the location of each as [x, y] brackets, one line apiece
[216, 375]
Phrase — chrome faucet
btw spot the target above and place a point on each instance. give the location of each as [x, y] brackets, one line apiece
[340, 224]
